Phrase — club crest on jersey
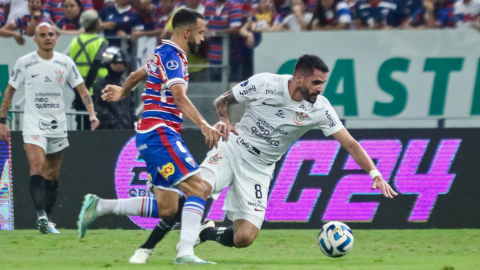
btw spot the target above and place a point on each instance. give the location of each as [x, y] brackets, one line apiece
[59, 76]
[172, 65]
[300, 118]
[167, 170]
[243, 84]
[214, 159]
[190, 161]
[35, 137]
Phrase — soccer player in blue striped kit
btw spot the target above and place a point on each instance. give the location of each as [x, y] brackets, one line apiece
[170, 165]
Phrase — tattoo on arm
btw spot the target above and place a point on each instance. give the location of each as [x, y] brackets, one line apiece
[87, 100]
[7, 101]
[222, 103]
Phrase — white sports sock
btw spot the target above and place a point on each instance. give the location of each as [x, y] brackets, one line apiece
[191, 217]
[137, 206]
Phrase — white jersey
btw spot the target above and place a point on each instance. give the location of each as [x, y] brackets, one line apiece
[466, 13]
[44, 82]
[273, 121]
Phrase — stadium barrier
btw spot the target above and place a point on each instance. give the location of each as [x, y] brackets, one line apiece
[434, 170]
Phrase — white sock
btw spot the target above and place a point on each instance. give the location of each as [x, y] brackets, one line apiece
[191, 217]
[138, 206]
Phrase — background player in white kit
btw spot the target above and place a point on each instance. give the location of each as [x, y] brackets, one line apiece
[44, 75]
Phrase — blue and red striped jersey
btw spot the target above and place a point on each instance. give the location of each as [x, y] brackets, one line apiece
[54, 8]
[2, 17]
[22, 23]
[229, 16]
[66, 24]
[167, 67]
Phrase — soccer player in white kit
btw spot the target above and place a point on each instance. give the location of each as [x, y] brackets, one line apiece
[44, 75]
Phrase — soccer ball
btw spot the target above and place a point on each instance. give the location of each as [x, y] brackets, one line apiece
[335, 239]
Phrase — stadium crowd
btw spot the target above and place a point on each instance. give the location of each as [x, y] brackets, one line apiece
[243, 20]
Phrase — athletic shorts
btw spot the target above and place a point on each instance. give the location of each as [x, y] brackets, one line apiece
[248, 177]
[168, 160]
[49, 145]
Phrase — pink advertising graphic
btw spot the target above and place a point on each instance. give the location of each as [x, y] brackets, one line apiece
[397, 162]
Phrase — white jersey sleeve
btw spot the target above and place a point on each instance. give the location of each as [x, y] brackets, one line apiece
[249, 90]
[74, 78]
[18, 74]
[329, 123]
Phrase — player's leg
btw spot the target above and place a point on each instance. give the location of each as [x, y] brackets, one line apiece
[36, 159]
[240, 235]
[51, 172]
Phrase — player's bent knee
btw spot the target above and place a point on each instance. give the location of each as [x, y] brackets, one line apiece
[36, 169]
[243, 239]
[166, 212]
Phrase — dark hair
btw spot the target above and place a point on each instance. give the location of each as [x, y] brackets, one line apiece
[307, 64]
[319, 14]
[186, 16]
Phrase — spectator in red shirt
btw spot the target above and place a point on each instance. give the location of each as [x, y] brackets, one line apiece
[54, 9]
[26, 24]
[69, 24]
[224, 17]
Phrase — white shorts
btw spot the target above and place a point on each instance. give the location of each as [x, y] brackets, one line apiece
[49, 145]
[248, 177]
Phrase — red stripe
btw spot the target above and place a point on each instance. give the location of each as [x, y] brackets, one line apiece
[148, 123]
[141, 212]
[154, 86]
[172, 152]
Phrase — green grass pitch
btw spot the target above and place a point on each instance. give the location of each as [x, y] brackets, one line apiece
[273, 249]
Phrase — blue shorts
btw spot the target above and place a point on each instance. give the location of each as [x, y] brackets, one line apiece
[168, 160]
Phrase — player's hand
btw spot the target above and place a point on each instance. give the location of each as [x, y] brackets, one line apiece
[4, 133]
[212, 135]
[94, 122]
[112, 93]
[225, 127]
[386, 189]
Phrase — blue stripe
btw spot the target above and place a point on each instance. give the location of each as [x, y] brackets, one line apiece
[343, 12]
[162, 115]
[152, 92]
[166, 105]
[154, 208]
[196, 200]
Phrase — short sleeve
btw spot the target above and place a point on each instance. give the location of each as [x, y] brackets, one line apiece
[248, 90]
[343, 12]
[329, 122]
[168, 69]
[17, 77]
[74, 78]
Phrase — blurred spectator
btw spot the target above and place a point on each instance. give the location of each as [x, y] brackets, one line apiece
[467, 13]
[224, 17]
[164, 12]
[331, 15]
[312, 5]
[122, 21]
[299, 19]
[53, 9]
[86, 51]
[113, 115]
[70, 23]
[26, 24]
[383, 14]
[2, 17]
[434, 14]
[261, 21]
[283, 7]
[14, 9]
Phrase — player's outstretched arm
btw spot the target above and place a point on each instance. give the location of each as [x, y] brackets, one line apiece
[88, 102]
[364, 161]
[221, 105]
[114, 93]
[185, 105]
[6, 103]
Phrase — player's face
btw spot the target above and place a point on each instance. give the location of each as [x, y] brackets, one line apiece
[45, 38]
[196, 36]
[71, 9]
[312, 86]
